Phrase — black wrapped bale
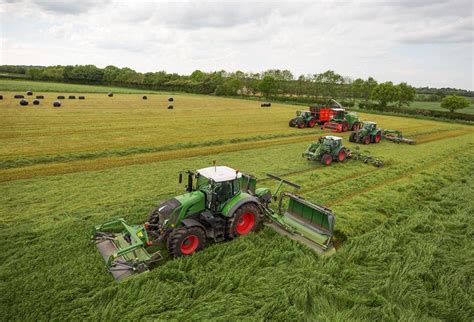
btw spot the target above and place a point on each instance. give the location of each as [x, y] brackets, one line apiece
[145, 98]
[170, 107]
[82, 97]
[1, 97]
[39, 97]
[57, 104]
[61, 97]
[72, 97]
[19, 96]
[170, 99]
[23, 102]
[266, 104]
[29, 93]
[110, 94]
[36, 102]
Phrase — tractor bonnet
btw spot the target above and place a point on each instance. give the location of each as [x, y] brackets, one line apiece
[219, 173]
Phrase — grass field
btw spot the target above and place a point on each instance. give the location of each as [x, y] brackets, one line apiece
[436, 106]
[407, 227]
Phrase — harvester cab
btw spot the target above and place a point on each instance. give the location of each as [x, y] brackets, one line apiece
[326, 149]
[368, 133]
[343, 121]
[219, 204]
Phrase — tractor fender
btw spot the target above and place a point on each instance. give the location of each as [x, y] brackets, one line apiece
[230, 209]
[190, 222]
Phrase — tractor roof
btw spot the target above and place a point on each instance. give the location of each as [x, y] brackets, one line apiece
[219, 173]
[332, 137]
[338, 109]
[369, 122]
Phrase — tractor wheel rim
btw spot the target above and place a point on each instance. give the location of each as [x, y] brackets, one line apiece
[189, 244]
[245, 223]
[328, 161]
[342, 155]
[377, 138]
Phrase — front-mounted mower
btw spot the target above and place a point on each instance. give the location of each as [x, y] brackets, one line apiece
[326, 149]
[219, 204]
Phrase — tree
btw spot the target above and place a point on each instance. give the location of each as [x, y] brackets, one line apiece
[385, 93]
[453, 103]
[368, 87]
[406, 94]
[267, 86]
[329, 82]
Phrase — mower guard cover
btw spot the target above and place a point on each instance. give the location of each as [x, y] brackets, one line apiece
[305, 222]
[124, 252]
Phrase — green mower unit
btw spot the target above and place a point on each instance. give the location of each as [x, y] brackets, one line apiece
[368, 133]
[326, 149]
[219, 204]
[397, 137]
[343, 121]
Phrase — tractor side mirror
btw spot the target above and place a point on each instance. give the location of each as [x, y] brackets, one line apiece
[180, 178]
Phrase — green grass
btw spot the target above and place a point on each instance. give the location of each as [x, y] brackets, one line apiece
[436, 106]
[41, 86]
[408, 227]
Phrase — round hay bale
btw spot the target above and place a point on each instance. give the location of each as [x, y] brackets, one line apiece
[39, 97]
[19, 96]
[72, 97]
[110, 94]
[61, 97]
[36, 102]
[29, 93]
[23, 102]
[170, 99]
[82, 97]
[144, 97]
[170, 107]
[57, 104]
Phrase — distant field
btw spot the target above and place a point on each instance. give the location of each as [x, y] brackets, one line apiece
[406, 229]
[436, 106]
[26, 85]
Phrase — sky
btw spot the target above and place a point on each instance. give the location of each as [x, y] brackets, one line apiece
[424, 43]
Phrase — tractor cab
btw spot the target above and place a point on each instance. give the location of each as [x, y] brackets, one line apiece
[331, 141]
[220, 184]
[339, 114]
[370, 126]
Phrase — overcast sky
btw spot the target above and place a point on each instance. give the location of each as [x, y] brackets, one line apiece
[426, 43]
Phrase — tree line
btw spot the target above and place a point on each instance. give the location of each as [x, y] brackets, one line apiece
[274, 83]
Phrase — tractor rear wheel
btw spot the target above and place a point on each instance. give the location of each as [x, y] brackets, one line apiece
[366, 139]
[378, 137]
[326, 159]
[352, 137]
[312, 123]
[244, 220]
[341, 156]
[186, 241]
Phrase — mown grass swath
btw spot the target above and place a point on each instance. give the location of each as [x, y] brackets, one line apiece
[405, 229]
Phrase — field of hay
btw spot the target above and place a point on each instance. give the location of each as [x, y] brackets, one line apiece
[407, 228]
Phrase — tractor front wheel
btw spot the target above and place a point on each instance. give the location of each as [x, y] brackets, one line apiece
[186, 241]
[352, 137]
[292, 123]
[366, 139]
[341, 156]
[244, 220]
[326, 159]
[301, 125]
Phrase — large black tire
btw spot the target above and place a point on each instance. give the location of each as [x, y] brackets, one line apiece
[300, 124]
[326, 159]
[184, 241]
[352, 137]
[292, 123]
[247, 218]
[366, 139]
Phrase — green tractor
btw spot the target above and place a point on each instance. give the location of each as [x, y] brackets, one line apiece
[343, 121]
[368, 133]
[219, 204]
[303, 119]
[326, 149]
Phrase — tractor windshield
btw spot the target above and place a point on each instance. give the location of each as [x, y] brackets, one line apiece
[369, 126]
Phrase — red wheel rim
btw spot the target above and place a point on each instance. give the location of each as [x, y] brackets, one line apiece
[245, 223]
[328, 161]
[189, 244]
[366, 140]
[342, 155]
[378, 138]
